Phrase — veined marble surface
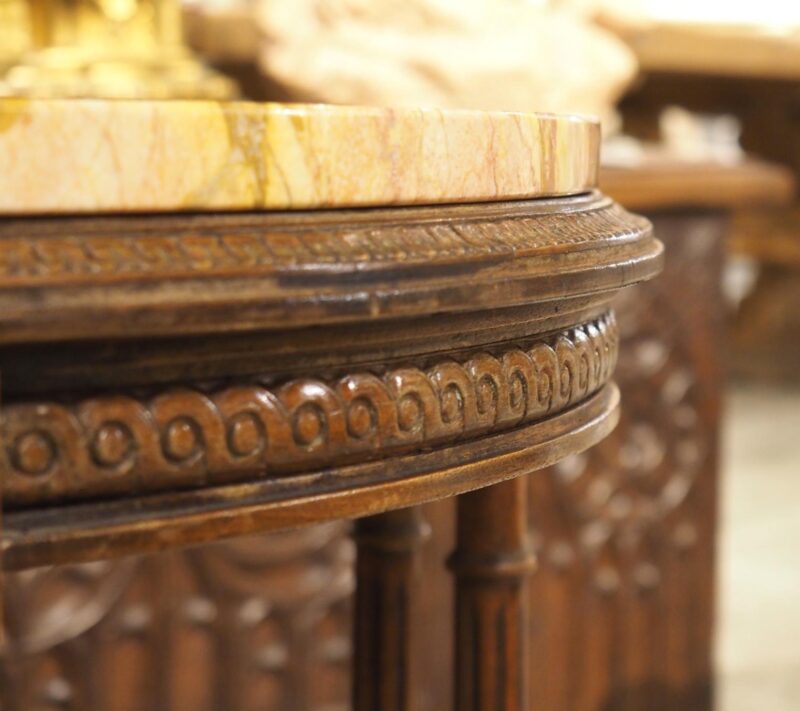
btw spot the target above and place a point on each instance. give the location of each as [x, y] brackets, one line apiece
[120, 156]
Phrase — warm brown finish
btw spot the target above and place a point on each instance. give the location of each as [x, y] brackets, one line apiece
[305, 661]
[492, 565]
[178, 438]
[624, 598]
[173, 380]
[387, 571]
[249, 624]
[91, 278]
[662, 182]
[89, 531]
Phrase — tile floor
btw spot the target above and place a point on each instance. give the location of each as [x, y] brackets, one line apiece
[758, 644]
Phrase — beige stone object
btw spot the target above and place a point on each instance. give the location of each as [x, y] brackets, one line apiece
[478, 54]
[129, 156]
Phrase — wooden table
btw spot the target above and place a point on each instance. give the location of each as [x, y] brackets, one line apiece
[623, 599]
[223, 319]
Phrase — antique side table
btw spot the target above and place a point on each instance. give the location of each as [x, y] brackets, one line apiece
[218, 319]
[622, 601]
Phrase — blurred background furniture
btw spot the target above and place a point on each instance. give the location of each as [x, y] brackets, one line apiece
[753, 74]
[186, 372]
[766, 341]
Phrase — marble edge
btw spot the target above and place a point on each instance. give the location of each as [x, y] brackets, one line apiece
[140, 156]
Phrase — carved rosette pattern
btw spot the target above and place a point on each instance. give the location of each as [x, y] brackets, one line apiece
[186, 437]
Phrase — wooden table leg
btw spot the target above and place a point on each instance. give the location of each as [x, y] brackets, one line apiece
[385, 570]
[492, 563]
[2, 598]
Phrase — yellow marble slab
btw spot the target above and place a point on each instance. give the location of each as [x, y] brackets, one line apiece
[125, 156]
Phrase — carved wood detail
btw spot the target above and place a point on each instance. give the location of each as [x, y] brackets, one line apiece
[89, 250]
[147, 277]
[184, 438]
[402, 356]
[622, 600]
[492, 615]
[258, 623]
[386, 603]
[625, 532]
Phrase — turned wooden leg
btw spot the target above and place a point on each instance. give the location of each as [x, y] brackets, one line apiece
[2, 605]
[385, 570]
[2, 598]
[492, 563]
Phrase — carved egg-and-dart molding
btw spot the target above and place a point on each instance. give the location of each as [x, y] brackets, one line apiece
[185, 437]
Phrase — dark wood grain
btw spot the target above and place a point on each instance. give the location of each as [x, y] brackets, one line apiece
[172, 380]
[60, 534]
[90, 278]
[118, 444]
[492, 563]
[516, 295]
[622, 602]
[2, 566]
[387, 593]
[254, 623]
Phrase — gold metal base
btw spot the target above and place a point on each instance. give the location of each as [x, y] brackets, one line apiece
[113, 49]
[60, 73]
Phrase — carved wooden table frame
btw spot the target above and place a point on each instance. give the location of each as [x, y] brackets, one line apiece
[178, 379]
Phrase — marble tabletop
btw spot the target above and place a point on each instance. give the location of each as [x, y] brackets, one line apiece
[128, 156]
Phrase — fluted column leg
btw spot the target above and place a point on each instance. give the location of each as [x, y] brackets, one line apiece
[2, 598]
[492, 563]
[386, 569]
